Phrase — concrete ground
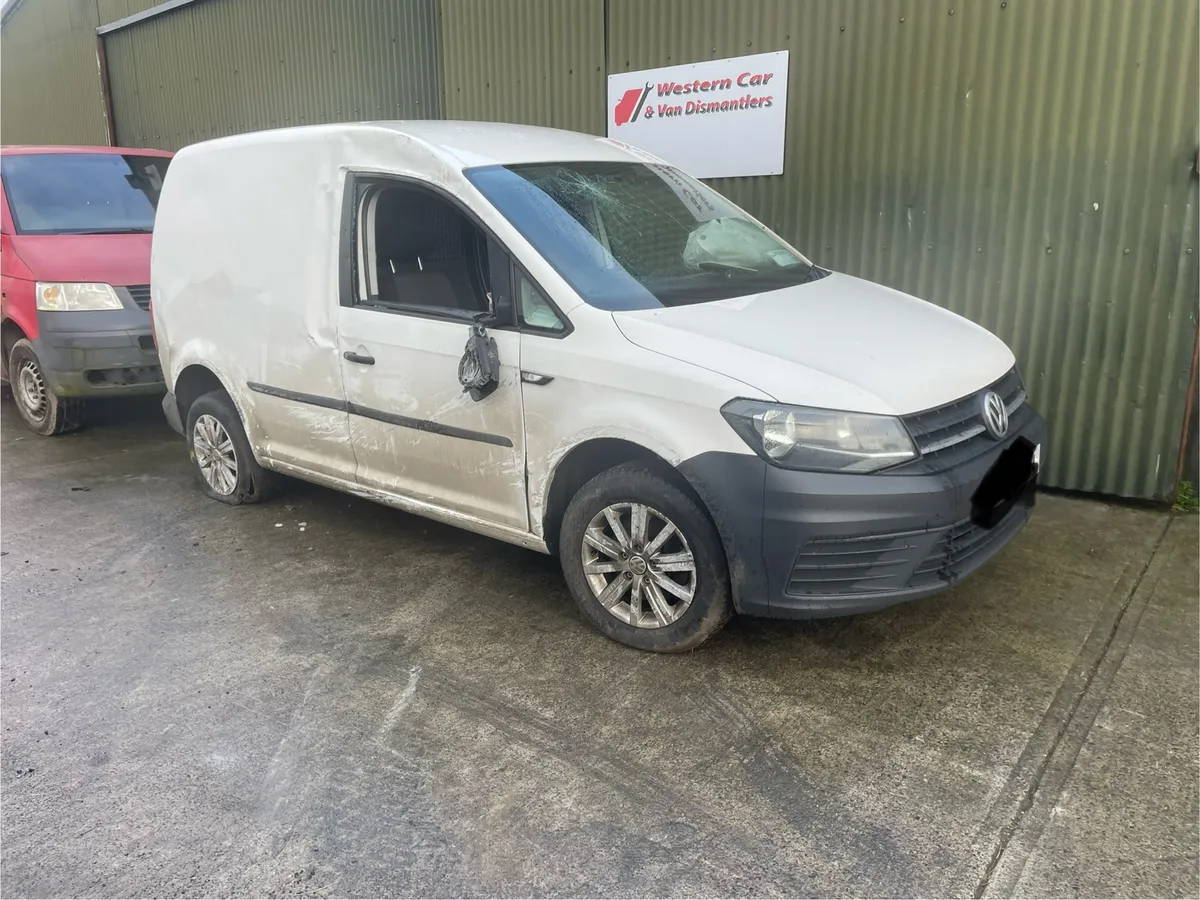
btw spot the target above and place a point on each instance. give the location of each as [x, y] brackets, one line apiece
[323, 697]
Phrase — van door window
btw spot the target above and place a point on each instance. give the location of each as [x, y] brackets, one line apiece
[419, 252]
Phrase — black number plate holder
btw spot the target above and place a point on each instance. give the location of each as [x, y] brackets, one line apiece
[1011, 481]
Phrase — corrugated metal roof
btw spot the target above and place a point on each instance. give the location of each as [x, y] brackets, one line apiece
[109, 11]
[1028, 164]
[228, 66]
[539, 62]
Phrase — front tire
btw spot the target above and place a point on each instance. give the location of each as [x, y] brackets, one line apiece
[218, 448]
[43, 411]
[644, 562]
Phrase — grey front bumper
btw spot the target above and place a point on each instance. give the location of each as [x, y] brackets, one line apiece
[98, 354]
[810, 545]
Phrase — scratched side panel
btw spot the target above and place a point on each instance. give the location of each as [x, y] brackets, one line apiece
[243, 283]
[415, 375]
[606, 387]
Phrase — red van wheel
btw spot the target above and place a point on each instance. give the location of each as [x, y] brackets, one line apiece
[43, 410]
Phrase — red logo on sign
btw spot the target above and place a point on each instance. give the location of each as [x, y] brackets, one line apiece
[629, 107]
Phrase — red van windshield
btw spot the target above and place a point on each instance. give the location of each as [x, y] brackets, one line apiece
[83, 193]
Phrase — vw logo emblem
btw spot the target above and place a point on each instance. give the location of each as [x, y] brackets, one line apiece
[995, 416]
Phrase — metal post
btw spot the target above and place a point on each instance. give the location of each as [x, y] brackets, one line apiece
[110, 125]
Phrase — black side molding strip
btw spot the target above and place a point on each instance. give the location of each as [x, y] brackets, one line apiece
[379, 415]
[310, 399]
[433, 427]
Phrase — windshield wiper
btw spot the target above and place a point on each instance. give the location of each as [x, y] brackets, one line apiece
[134, 230]
[721, 266]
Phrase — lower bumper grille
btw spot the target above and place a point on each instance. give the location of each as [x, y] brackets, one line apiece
[898, 561]
[125, 377]
[856, 565]
[964, 547]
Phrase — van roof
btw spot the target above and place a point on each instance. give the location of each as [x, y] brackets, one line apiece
[463, 144]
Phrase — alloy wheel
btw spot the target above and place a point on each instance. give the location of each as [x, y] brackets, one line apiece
[639, 565]
[215, 454]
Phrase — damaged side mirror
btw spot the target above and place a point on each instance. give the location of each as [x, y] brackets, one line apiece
[479, 368]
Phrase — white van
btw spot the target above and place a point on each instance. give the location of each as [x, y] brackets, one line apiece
[562, 342]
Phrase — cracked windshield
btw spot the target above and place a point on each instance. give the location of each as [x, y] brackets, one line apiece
[637, 236]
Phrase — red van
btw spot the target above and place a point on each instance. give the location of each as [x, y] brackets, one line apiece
[75, 226]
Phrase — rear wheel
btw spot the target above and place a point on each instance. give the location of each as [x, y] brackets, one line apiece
[644, 562]
[218, 447]
[43, 410]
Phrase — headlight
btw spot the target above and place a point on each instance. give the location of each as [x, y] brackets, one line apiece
[58, 297]
[822, 440]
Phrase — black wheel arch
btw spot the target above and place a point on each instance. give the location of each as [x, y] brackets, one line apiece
[592, 457]
[10, 333]
[194, 382]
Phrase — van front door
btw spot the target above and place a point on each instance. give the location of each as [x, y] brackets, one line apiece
[415, 432]
[423, 273]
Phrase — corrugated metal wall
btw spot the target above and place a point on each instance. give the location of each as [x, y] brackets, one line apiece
[1029, 164]
[226, 66]
[49, 79]
[108, 11]
[539, 62]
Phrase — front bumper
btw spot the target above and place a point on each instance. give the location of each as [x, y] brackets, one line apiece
[108, 353]
[811, 545]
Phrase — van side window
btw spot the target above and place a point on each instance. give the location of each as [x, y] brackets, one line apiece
[417, 251]
[536, 312]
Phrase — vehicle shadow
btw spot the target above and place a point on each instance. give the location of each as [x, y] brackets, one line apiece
[120, 412]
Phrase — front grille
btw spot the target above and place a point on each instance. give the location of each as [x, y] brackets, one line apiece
[961, 422]
[140, 294]
[897, 561]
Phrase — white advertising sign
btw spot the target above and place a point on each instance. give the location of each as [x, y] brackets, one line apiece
[713, 119]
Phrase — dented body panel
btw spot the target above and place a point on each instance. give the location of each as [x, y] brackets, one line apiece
[331, 279]
[274, 278]
[474, 461]
[606, 387]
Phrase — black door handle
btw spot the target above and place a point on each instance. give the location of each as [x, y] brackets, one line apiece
[359, 358]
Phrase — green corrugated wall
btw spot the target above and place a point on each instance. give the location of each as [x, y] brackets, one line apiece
[49, 77]
[225, 66]
[539, 62]
[1028, 163]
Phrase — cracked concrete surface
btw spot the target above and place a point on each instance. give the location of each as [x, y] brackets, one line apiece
[198, 702]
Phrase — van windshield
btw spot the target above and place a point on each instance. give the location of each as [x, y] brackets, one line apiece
[639, 236]
[83, 193]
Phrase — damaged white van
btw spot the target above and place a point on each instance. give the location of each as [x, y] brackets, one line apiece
[562, 342]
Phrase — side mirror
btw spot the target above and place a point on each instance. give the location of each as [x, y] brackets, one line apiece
[479, 368]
